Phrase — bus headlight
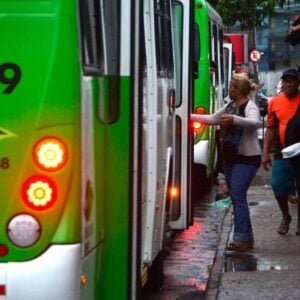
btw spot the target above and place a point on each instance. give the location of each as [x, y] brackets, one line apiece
[23, 230]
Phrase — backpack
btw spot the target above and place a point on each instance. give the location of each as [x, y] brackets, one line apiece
[292, 131]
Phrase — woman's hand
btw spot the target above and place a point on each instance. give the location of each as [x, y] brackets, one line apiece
[226, 120]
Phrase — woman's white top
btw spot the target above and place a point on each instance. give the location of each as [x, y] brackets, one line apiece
[249, 144]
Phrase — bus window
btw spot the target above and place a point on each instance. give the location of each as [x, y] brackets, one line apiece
[111, 13]
[211, 41]
[163, 36]
[92, 44]
[112, 36]
[177, 12]
[91, 39]
[221, 38]
[222, 65]
[226, 71]
[197, 48]
[216, 50]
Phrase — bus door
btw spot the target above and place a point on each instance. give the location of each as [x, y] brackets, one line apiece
[158, 131]
[182, 215]
[105, 123]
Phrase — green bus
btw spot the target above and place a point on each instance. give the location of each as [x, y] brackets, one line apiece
[95, 148]
[210, 89]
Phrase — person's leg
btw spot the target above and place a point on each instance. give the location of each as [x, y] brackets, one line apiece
[241, 178]
[282, 184]
[284, 225]
[227, 167]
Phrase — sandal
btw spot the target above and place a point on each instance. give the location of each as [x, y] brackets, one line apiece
[240, 245]
[284, 225]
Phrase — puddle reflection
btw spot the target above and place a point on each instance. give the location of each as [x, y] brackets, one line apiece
[237, 262]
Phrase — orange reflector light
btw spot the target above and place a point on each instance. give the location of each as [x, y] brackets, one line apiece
[200, 110]
[39, 192]
[83, 280]
[174, 192]
[50, 154]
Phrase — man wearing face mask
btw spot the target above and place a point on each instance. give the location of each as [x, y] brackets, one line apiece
[283, 111]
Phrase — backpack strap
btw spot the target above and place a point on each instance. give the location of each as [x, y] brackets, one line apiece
[292, 131]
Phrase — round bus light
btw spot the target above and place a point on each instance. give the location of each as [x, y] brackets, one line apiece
[39, 193]
[23, 230]
[174, 192]
[200, 110]
[50, 154]
[196, 125]
[199, 5]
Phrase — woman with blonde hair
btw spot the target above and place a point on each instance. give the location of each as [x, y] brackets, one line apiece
[239, 120]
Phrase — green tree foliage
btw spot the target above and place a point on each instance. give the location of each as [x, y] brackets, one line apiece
[248, 13]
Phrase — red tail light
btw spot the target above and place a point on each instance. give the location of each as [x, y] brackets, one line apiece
[2, 290]
[39, 192]
[50, 154]
[200, 110]
[197, 125]
[3, 250]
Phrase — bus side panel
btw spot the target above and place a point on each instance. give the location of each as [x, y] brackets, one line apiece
[35, 109]
[202, 84]
[41, 46]
[114, 282]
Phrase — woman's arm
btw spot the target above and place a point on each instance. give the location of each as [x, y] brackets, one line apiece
[213, 119]
[251, 119]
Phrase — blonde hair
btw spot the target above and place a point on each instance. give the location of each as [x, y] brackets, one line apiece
[243, 84]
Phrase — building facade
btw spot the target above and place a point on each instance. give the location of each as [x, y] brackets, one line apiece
[277, 54]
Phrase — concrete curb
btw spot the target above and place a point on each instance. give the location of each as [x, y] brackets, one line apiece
[216, 271]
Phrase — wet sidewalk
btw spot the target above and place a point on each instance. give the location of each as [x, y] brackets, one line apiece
[272, 269]
[188, 266]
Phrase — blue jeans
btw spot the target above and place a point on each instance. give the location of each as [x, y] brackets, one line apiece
[238, 178]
